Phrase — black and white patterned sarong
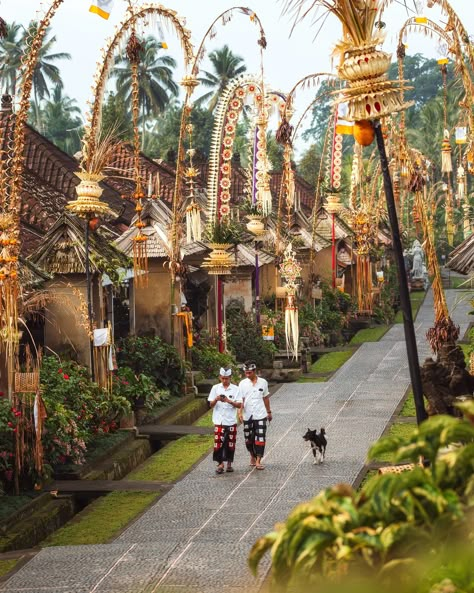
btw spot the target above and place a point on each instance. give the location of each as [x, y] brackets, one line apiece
[255, 436]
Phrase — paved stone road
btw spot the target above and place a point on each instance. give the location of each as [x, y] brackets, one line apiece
[196, 538]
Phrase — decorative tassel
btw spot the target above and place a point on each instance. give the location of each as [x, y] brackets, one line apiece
[193, 223]
[446, 161]
[140, 260]
[264, 198]
[461, 183]
[291, 325]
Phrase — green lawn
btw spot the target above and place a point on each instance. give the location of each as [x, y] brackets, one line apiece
[417, 299]
[7, 565]
[330, 362]
[370, 334]
[102, 519]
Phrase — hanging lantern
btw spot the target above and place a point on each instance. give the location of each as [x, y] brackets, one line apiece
[446, 161]
[461, 135]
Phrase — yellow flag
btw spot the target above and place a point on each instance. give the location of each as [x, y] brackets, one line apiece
[102, 7]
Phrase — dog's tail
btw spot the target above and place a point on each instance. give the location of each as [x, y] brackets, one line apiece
[323, 431]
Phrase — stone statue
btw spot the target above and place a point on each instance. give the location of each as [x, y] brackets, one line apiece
[417, 271]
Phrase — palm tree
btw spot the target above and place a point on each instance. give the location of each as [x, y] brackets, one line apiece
[61, 121]
[155, 75]
[226, 65]
[11, 51]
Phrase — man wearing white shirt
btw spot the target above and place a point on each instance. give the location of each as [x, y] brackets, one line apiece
[224, 400]
[254, 394]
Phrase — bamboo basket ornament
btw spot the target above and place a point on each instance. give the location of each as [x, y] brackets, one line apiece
[219, 262]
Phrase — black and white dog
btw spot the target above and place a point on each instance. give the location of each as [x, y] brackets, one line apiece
[318, 444]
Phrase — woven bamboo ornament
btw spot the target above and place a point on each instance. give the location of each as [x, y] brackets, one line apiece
[290, 271]
[219, 262]
[369, 94]
[446, 160]
[88, 203]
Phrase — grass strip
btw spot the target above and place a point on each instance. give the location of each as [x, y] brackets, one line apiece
[171, 462]
[369, 334]
[403, 431]
[331, 361]
[408, 409]
[312, 380]
[7, 565]
[102, 519]
[416, 299]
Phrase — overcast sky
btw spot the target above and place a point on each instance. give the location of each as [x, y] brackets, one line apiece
[286, 60]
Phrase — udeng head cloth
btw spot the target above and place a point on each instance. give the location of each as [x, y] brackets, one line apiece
[250, 366]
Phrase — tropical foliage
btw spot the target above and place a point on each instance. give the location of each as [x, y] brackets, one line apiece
[226, 66]
[381, 530]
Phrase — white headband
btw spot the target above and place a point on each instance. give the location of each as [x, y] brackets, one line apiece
[250, 367]
[225, 372]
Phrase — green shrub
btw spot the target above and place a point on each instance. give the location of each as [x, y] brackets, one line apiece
[76, 410]
[156, 359]
[244, 338]
[139, 390]
[207, 359]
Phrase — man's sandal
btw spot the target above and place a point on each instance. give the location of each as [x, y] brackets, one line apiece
[220, 470]
[229, 469]
[259, 467]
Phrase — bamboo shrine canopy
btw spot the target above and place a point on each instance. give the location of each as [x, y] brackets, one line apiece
[62, 250]
[462, 258]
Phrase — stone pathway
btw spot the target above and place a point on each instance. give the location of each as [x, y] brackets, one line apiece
[197, 537]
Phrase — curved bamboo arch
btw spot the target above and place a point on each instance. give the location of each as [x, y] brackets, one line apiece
[190, 82]
[227, 113]
[454, 48]
[455, 24]
[101, 76]
[10, 204]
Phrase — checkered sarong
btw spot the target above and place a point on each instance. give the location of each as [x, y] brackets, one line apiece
[224, 443]
[255, 436]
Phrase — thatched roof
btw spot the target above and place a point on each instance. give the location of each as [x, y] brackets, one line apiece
[462, 258]
[62, 250]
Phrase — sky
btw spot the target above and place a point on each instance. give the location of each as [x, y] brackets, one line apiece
[287, 58]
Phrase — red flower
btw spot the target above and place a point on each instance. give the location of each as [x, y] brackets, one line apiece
[1, 394]
[60, 371]
[66, 377]
[10, 424]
